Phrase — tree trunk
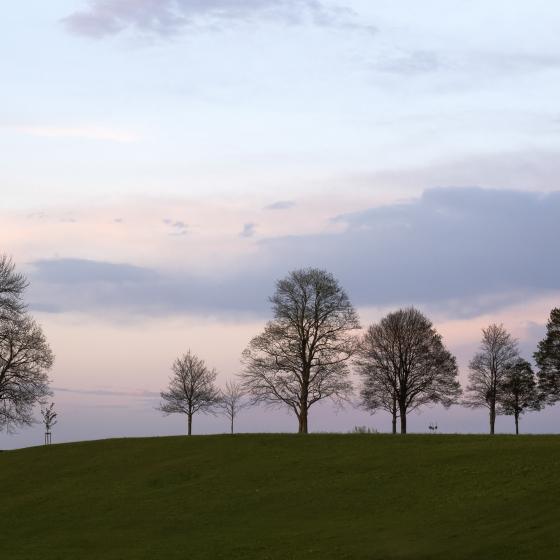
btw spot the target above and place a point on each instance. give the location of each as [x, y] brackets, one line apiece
[517, 423]
[189, 424]
[492, 418]
[394, 414]
[302, 421]
[402, 411]
[232, 423]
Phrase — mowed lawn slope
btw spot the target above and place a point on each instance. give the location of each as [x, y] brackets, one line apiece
[284, 497]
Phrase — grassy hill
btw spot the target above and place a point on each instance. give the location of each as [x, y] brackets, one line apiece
[284, 497]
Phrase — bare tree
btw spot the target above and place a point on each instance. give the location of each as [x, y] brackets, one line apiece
[378, 390]
[191, 389]
[25, 358]
[232, 400]
[403, 363]
[12, 286]
[518, 391]
[488, 369]
[49, 420]
[301, 357]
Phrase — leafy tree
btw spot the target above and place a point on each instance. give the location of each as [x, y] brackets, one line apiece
[518, 392]
[301, 357]
[232, 401]
[405, 365]
[548, 360]
[25, 358]
[488, 369]
[191, 389]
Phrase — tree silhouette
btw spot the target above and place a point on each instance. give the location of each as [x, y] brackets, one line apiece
[518, 392]
[548, 360]
[25, 358]
[232, 401]
[301, 357]
[488, 368]
[405, 365]
[191, 389]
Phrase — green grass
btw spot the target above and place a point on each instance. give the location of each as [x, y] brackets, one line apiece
[284, 497]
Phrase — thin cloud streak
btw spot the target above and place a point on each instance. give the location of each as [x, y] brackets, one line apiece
[107, 392]
[94, 132]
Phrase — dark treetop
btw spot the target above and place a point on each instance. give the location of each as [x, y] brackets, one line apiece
[548, 359]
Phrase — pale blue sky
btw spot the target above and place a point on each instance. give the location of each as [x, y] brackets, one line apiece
[229, 105]
[163, 161]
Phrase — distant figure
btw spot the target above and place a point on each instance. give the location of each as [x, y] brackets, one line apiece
[49, 420]
[433, 427]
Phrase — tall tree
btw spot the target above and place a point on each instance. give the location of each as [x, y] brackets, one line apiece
[25, 359]
[301, 357]
[518, 392]
[488, 368]
[405, 365]
[232, 401]
[12, 286]
[548, 360]
[191, 389]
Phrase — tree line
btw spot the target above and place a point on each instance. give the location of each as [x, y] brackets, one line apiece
[306, 354]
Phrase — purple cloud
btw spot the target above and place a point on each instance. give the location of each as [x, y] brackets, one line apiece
[483, 248]
[248, 230]
[166, 17]
[281, 205]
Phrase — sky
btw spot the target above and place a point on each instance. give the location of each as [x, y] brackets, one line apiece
[164, 162]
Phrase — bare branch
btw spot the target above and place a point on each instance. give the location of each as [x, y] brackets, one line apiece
[12, 286]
